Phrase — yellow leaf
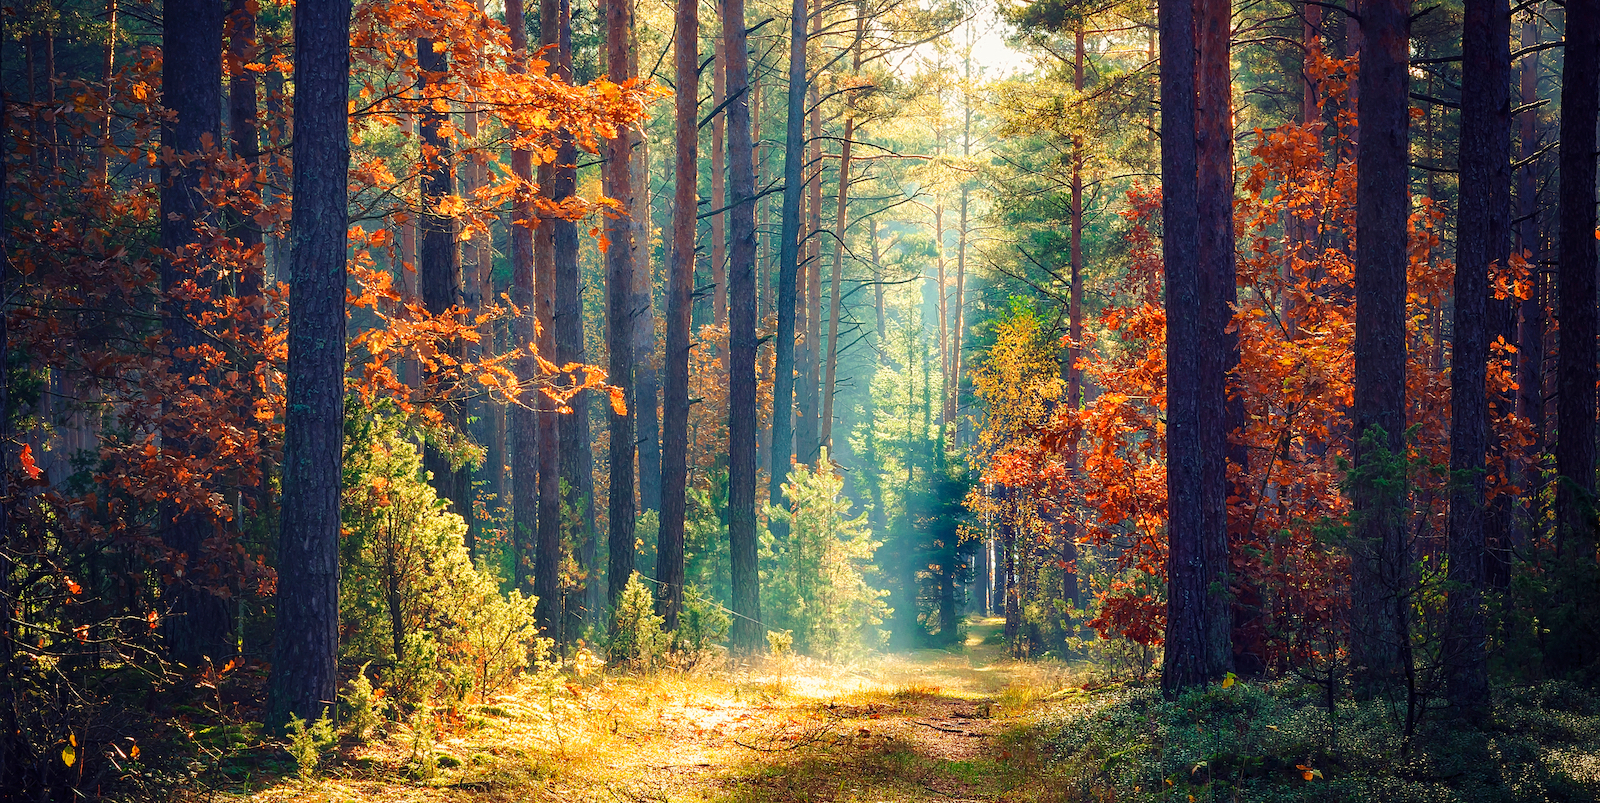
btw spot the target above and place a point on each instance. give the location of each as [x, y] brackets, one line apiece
[133, 752]
[1228, 681]
[69, 756]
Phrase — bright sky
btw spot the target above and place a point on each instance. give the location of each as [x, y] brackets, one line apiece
[991, 53]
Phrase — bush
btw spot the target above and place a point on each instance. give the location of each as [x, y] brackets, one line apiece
[363, 706]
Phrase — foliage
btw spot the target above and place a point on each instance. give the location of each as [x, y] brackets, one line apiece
[817, 579]
[702, 624]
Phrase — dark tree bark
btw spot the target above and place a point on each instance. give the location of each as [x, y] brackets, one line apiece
[745, 634]
[305, 658]
[1188, 660]
[1219, 350]
[788, 264]
[1380, 566]
[1482, 238]
[191, 77]
[1575, 366]
[619, 314]
[439, 267]
[680, 288]
[525, 414]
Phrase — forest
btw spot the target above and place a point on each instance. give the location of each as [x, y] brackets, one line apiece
[822, 400]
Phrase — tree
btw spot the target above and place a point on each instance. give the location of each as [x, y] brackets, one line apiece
[1483, 242]
[191, 76]
[1194, 568]
[1575, 366]
[680, 288]
[304, 667]
[788, 258]
[439, 254]
[1380, 556]
[620, 314]
[527, 417]
[743, 416]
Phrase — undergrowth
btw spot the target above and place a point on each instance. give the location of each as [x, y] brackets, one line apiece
[1277, 743]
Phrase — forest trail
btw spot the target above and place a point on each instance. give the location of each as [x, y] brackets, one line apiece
[929, 725]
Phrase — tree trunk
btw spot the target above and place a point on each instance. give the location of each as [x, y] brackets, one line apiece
[1380, 560]
[1482, 239]
[719, 180]
[525, 414]
[244, 130]
[305, 656]
[680, 288]
[1219, 350]
[807, 431]
[647, 390]
[192, 80]
[1531, 317]
[553, 442]
[1575, 367]
[745, 634]
[835, 294]
[439, 268]
[1192, 571]
[788, 262]
[619, 314]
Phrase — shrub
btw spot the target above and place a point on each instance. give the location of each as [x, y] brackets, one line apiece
[817, 580]
[363, 706]
[702, 624]
[636, 636]
[307, 744]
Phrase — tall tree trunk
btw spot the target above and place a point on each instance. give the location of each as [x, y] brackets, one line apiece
[835, 294]
[1192, 570]
[620, 313]
[1219, 350]
[525, 414]
[788, 262]
[577, 455]
[1531, 317]
[647, 390]
[1483, 238]
[192, 90]
[1380, 565]
[439, 266]
[680, 288]
[1075, 303]
[1575, 366]
[941, 289]
[745, 634]
[553, 443]
[877, 278]
[244, 130]
[305, 655]
[719, 181]
[807, 430]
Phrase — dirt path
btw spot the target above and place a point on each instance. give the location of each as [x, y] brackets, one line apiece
[925, 726]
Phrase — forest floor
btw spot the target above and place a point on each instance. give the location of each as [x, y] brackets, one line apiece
[931, 725]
